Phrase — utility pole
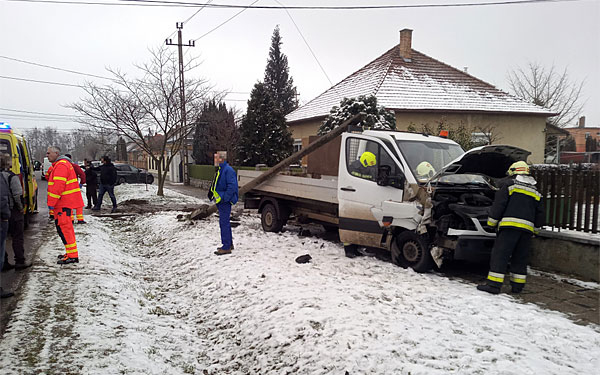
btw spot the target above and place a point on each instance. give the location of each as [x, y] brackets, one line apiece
[183, 127]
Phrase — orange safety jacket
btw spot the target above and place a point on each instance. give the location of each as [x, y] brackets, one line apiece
[63, 186]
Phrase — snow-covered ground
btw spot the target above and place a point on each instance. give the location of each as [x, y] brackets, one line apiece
[150, 297]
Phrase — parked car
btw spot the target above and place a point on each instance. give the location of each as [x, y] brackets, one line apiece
[45, 166]
[132, 175]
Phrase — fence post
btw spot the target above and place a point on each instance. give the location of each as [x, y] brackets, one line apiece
[596, 198]
[580, 197]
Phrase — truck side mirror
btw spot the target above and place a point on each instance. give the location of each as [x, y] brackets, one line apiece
[384, 178]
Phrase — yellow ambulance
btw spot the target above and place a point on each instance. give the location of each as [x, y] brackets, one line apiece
[14, 144]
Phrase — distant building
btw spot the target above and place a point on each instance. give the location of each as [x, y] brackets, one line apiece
[424, 91]
[581, 135]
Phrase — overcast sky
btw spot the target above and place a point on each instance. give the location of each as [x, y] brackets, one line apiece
[489, 40]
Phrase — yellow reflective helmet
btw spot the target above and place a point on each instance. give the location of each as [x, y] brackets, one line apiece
[519, 167]
[368, 159]
[425, 170]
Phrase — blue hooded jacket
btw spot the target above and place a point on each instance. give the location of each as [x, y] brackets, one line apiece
[227, 186]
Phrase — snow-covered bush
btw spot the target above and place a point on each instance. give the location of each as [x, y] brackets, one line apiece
[377, 117]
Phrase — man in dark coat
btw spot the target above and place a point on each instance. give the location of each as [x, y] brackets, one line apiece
[4, 214]
[91, 185]
[108, 179]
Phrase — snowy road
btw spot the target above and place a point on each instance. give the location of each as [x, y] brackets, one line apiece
[149, 297]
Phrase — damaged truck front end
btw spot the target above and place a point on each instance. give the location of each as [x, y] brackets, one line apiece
[462, 194]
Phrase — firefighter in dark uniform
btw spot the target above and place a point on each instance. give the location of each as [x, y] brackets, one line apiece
[518, 214]
[365, 168]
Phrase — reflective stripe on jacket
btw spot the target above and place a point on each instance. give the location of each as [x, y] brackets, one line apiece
[518, 205]
[225, 184]
[63, 186]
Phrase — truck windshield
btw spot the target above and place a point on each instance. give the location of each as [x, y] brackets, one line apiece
[427, 158]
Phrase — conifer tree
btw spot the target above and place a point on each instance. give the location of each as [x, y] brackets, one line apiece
[215, 131]
[264, 137]
[277, 79]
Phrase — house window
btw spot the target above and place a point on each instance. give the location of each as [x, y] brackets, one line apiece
[297, 145]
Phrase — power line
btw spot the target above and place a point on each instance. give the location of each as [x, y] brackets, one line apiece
[36, 81]
[72, 85]
[37, 113]
[53, 67]
[307, 45]
[292, 7]
[198, 11]
[229, 19]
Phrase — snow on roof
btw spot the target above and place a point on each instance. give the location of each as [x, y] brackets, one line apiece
[422, 84]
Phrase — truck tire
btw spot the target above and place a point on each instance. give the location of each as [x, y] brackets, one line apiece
[121, 180]
[270, 219]
[411, 250]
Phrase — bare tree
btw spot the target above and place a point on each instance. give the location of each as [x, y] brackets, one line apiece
[549, 89]
[139, 108]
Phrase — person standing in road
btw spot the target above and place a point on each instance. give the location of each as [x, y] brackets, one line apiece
[91, 185]
[518, 213]
[224, 191]
[81, 176]
[64, 196]
[108, 179]
[16, 224]
[4, 217]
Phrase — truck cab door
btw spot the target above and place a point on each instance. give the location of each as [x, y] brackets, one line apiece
[364, 193]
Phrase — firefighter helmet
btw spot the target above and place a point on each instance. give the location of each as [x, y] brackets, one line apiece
[519, 167]
[368, 159]
[425, 170]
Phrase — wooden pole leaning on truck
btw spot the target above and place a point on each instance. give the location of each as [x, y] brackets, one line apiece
[206, 210]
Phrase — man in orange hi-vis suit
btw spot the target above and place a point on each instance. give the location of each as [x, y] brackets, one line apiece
[64, 196]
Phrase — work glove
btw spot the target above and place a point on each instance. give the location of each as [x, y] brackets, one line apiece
[218, 200]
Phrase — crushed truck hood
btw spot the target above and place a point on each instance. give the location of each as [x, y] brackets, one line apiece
[492, 161]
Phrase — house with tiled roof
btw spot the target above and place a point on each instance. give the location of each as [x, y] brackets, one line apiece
[423, 91]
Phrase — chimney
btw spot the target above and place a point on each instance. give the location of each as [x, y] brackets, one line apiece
[406, 44]
[582, 122]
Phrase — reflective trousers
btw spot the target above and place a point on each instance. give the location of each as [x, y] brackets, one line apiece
[225, 224]
[64, 227]
[78, 214]
[512, 245]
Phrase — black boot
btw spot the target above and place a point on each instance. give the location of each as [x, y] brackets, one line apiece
[516, 288]
[22, 265]
[351, 251]
[489, 288]
[5, 294]
[67, 260]
[7, 266]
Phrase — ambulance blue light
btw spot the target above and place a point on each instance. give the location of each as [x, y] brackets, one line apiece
[5, 127]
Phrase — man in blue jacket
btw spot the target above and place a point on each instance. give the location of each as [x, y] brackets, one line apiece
[224, 191]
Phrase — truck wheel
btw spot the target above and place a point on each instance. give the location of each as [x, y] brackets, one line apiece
[149, 179]
[411, 250]
[270, 220]
[121, 180]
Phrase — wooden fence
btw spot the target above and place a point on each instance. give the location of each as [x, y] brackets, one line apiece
[571, 198]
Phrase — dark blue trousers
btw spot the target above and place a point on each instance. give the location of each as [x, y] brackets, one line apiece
[225, 224]
[110, 189]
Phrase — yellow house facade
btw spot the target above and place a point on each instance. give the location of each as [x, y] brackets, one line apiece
[422, 92]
